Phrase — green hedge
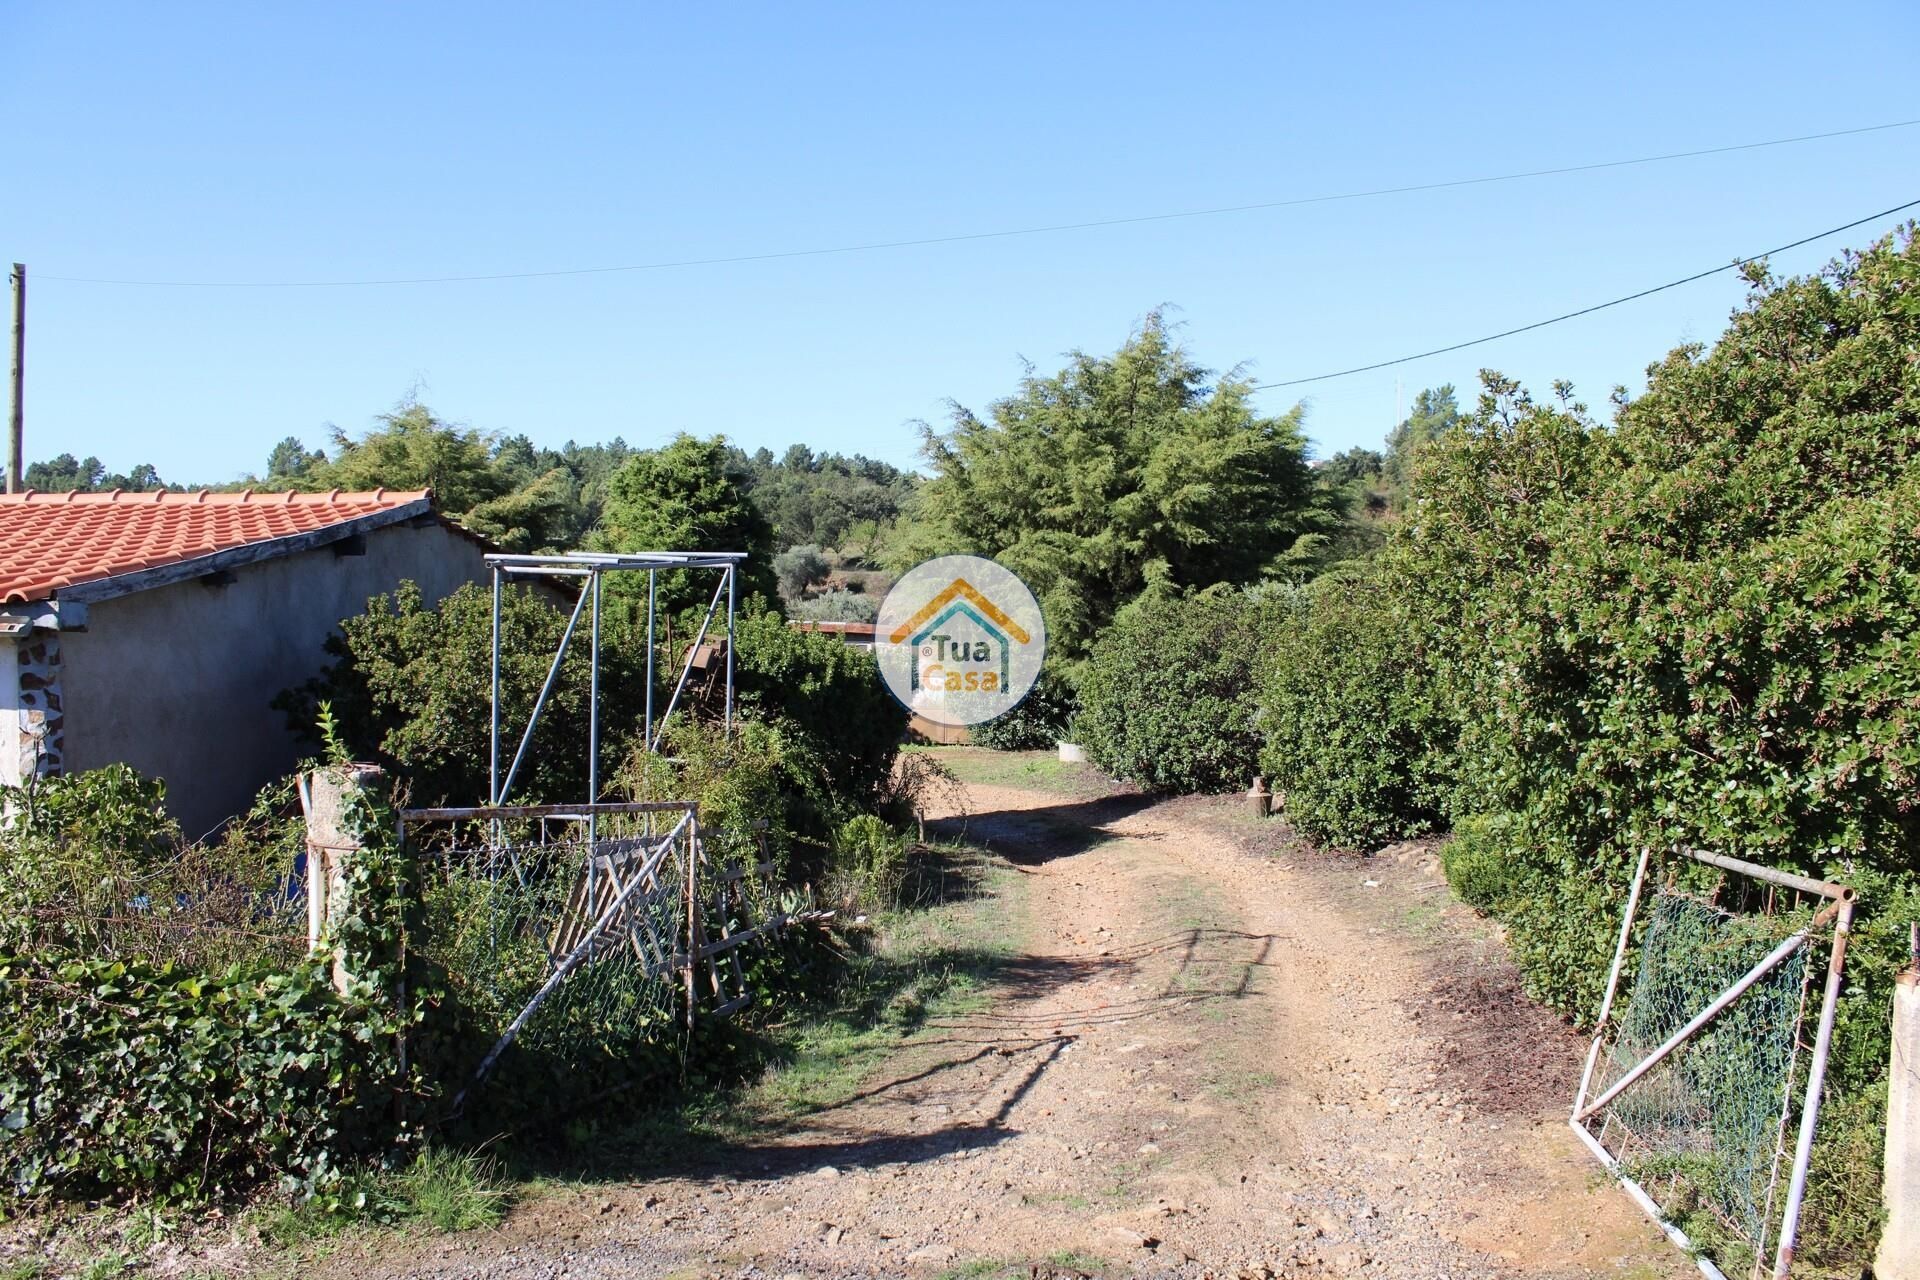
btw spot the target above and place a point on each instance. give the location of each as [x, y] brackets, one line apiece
[1346, 717]
[1043, 718]
[1167, 694]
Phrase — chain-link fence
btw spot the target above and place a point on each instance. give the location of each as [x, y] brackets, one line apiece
[1703, 1082]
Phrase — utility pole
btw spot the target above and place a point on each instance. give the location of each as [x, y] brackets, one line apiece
[16, 463]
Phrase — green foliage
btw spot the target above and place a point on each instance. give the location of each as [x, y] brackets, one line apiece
[869, 863]
[413, 449]
[1344, 713]
[1435, 413]
[825, 499]
[113, 810]
[800, 567]
[122, 1077]
[67, 474]
[410, 689]
[1166, 699]
[1042, 718]
[690, 495]
[838, 606]
[292, 462]
[1118, 475]
[829, 703]
[143, 1055]
[1475, 860]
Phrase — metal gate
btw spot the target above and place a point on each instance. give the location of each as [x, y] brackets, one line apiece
[578, 930]
[1696, 1080]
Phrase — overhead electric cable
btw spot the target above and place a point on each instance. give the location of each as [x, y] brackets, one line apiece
[1587, 311]
[1054, 228]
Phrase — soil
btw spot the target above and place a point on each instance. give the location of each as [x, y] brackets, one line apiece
[1217, 1053]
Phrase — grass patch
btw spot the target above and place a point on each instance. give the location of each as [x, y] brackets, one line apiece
[923, 963]
[1028, 770]
[442, 1190]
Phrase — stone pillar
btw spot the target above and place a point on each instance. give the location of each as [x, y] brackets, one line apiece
[333, 837]
[1899, 1255]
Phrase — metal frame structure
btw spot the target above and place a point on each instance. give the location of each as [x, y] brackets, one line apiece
[1841, 901]
[589, 566]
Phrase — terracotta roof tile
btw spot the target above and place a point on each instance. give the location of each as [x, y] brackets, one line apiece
[54, 540]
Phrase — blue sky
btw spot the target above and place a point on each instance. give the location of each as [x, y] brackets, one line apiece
[352, 141]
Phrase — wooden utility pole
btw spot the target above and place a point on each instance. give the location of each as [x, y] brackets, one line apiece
[16, 463]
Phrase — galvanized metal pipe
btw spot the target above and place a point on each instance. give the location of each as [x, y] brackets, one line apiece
[1816, 1078]
[1613, 980]
[647, 737]
[553, 674]
[1774, 959]
[593, 727]
[730, 611]
[1645, 1201]
[482, 812]
[687, 670]
[493, 733]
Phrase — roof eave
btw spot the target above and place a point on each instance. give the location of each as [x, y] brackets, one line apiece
[94, 590]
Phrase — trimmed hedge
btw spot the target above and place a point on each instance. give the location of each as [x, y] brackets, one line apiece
[1345, 712]
[1166, 697]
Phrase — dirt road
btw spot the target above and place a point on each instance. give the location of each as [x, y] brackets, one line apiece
[1201, 1059]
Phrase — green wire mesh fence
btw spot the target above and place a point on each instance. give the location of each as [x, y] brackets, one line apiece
[1702, 1086]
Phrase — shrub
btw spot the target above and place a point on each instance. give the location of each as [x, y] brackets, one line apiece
[799, 568]
[838, 606]
[1344, 714]
[831, 707]
[869, 863]
[123, 1078]
[411, 688]
[1475, 860]
[1041, 719]
[1167, 696]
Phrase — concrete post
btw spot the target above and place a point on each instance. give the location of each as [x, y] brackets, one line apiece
[1899, 1255]
[333, 837]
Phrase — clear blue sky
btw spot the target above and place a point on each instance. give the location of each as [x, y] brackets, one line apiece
[265, 142]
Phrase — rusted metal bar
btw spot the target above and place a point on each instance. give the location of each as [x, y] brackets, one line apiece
[487, 811]
[1805, 884]
[1613, 980]
[1816, 1078]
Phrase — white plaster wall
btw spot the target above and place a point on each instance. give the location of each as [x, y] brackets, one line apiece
[177, 681]
[9, 713]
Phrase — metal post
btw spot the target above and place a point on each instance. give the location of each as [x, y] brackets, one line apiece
[652, 574]
[553, 674]
[493, 736]
[730, 611]
[16, 423]
[1816, 1078]
[1613, 980]
[593, 725]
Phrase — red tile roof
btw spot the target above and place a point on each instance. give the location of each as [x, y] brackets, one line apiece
[54, 540]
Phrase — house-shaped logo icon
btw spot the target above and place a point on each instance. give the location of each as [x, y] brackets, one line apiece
[941, 658]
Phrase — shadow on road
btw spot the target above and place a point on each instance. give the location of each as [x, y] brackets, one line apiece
[1034, 837]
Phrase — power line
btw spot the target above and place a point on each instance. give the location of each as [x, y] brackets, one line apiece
[1598, 306]
[1051, 229]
